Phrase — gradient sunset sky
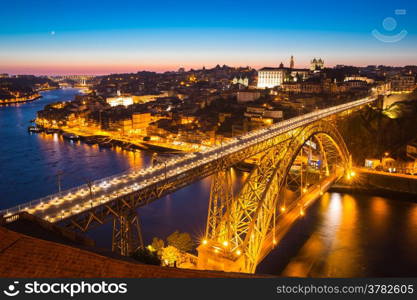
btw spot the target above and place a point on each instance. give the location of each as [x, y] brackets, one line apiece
[48, 37]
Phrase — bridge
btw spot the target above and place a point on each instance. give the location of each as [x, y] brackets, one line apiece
[80, 80]
[301, 158]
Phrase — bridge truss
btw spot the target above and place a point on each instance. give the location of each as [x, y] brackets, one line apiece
[234, 241]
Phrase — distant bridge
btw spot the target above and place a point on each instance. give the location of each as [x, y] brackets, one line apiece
[300, 156]
[81, 80]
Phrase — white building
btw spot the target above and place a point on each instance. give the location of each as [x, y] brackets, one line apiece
[121, 100]
[271, 77]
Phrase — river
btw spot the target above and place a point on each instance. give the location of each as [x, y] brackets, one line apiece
[341, 235]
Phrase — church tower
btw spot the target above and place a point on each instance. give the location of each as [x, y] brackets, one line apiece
[292, 62]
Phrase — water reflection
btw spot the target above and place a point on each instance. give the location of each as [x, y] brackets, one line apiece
[349, 236]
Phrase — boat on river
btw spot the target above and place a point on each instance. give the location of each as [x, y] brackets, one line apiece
[70, 136]
[34, 129]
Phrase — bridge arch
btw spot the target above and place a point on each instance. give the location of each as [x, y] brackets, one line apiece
[252, 215]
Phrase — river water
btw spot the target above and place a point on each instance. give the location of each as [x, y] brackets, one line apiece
[342, 235]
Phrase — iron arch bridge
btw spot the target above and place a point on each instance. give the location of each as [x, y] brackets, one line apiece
[231, 220]
[242, 230]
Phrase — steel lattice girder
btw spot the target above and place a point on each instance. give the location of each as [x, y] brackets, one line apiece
[127, 234]
[221, 196]
[252, 210]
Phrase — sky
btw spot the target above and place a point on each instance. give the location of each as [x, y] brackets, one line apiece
[50, 37]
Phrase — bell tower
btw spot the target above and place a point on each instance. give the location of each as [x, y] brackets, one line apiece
[292, 62]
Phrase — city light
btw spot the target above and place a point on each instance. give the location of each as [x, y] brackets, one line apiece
[225, 243]
[204, 242]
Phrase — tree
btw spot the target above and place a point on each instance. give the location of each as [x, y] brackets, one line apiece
[157, 245]
[181, 241]
[170, 255]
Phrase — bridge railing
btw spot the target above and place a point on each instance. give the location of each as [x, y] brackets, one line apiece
[48, 199]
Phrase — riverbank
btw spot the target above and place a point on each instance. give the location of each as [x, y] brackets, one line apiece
[107, 141]
[371, 182]
[16, 101]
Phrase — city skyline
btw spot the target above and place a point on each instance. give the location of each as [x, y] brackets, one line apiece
[52, 38]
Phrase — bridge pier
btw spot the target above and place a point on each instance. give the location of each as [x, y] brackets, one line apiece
[221, 197]
[214, 256]
[127, 234]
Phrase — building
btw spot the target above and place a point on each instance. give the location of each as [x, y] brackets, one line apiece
[356, 84]
[140, 121]
[291, 87]
[115, 101]
[247, 96]
[302, 87]
[299, 74]
[274, 114]
[316, 64]
[403, 83]
[271, 77]
[150, 97]
[243, 81]
[372, 163]
[120, 100]
[262, 114]
[359, 78]
[4, 75]
[411, 150]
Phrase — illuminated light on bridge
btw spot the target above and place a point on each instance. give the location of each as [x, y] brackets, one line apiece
[250, 212]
